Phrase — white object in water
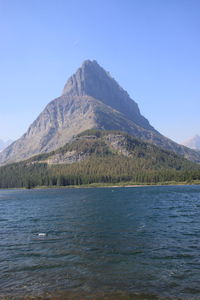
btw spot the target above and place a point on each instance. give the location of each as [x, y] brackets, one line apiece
[42, 234]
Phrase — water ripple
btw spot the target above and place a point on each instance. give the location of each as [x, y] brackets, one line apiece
[133, 240]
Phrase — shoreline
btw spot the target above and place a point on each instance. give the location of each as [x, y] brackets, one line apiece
[81, 295]
[109, 185]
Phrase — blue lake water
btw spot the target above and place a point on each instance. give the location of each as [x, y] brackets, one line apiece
[140, 240]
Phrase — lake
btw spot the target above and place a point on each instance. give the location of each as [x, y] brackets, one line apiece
[128, 243]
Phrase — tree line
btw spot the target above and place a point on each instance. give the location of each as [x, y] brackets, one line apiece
[102, 169]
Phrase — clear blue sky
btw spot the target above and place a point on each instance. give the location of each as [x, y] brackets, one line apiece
[151, 47]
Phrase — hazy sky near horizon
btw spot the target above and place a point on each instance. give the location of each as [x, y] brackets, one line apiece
[151, 47]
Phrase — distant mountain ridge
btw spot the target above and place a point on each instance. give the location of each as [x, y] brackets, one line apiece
[91, 99]
[4, 144]
[193, 143]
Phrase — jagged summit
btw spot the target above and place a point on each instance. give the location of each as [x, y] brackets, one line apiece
[84, 81]
[91, 99]
[92, 80]
[81, 83]
[77, 84]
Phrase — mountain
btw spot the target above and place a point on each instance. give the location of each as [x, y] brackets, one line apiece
[100, 156]
[1, 145]
[90, 99]
[193, 143]
[4, 144]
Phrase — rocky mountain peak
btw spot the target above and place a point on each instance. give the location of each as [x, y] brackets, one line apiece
[91, 99]
[92, 80]
[84, 81]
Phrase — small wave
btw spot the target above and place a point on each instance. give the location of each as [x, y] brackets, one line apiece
[177, 256]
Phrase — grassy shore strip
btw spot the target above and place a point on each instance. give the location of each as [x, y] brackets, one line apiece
[109, 185]
[121, 184]
[89, 296]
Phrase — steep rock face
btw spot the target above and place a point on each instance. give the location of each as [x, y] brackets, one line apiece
[90, 99]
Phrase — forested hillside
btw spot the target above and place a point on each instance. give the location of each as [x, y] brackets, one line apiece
[100, 157]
